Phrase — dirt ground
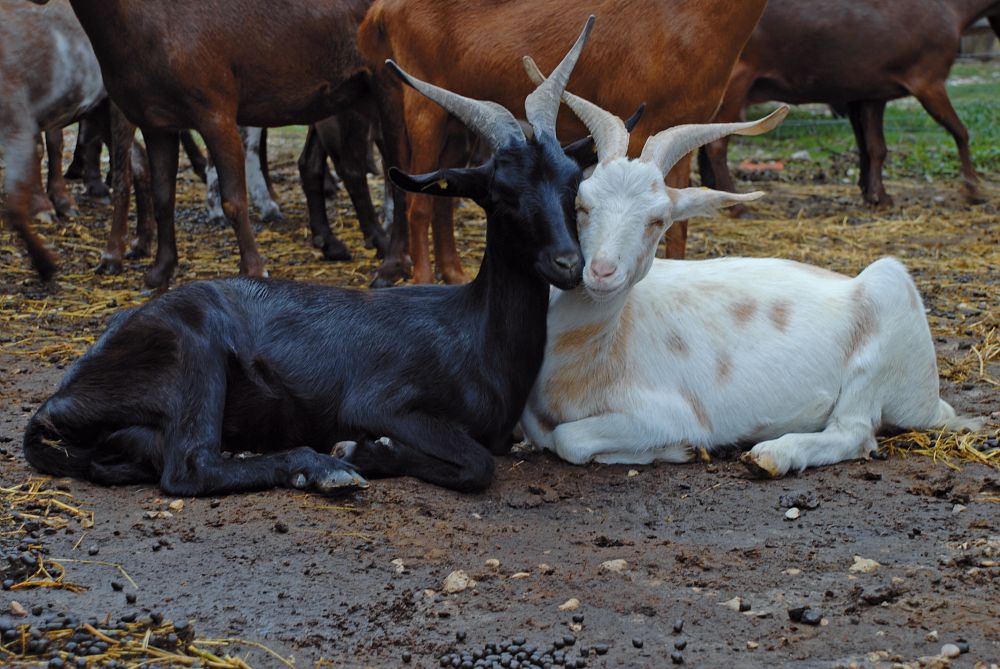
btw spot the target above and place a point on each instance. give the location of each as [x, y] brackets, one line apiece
[358, 581]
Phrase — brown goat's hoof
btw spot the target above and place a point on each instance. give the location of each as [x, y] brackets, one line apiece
[454, 276]
[98, 191]
[334, 250]
[45, 266]
[158, 278]
[109, 265]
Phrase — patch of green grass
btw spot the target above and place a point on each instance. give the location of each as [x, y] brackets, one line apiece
[918, 146]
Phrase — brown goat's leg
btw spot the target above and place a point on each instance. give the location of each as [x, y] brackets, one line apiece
[199, 164]
[22, 175]
[871, 121]
[61, 198]
[446, 258]
[40, 206]
[163, 148]
[226, 147]
[75, 169]
[935, 100]
[145, 223]
[731, 110]
[120, 133]
[426, 124]
[864, 160]
[87, 154]
[395, 149]
[676, 238]
[351, 162]
[312, 165]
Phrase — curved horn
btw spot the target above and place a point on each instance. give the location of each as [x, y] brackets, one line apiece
[491, 120]
[665, 148]
[609, 132]
[542, 106]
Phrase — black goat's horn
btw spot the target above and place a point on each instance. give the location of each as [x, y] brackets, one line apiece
[542, 106]
[492, 121]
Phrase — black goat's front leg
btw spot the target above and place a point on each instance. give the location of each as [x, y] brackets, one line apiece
[192, 458]
[204, 471]
[427, 448]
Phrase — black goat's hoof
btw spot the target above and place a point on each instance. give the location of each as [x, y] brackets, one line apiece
[329, 482]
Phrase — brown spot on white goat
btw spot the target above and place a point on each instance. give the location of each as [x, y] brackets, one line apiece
[597, 364]
[863, 323]
[743, 310]
[779, 314]
[676, 343]
[723, 368]
[698, 407]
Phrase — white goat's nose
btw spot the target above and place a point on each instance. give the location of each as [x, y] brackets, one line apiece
[602, 269]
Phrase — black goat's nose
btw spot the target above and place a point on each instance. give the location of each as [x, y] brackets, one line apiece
[568, 261]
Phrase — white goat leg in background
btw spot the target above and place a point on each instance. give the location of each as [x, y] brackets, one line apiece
[260, 196]
[655, 359]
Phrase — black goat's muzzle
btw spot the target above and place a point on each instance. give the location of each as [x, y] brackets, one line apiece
[563, 270]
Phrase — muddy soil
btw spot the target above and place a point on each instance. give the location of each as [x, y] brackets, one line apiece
[321, 579]
[357, 581]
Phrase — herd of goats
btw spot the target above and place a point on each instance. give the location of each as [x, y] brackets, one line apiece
[572, 329]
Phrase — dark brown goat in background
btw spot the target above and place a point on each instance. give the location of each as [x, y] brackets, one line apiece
[674, 55]
[212, 65]
[857, 54]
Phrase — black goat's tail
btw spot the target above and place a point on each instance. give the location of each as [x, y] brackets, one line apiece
[49, 445]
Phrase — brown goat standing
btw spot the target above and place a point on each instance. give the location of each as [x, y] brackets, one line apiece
[674, 55]
[859, 54]
[212, 65]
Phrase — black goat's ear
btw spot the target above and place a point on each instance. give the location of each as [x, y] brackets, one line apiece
[470, 182]
[582, 150]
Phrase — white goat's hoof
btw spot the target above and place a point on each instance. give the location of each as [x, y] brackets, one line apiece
[761, 465]
[299, 481]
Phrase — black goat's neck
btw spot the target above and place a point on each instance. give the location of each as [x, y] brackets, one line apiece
[514, 303]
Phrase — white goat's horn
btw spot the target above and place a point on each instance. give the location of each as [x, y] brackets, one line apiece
[609, 132]
[542, 106]
[665, 148]
[492, 121]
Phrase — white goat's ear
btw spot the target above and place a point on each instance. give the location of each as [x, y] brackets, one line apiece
[690, 202]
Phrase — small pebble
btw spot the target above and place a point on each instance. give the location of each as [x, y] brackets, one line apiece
[678, 625]
[93, 550]
[637, 643]
[950, 651]
[130, 597]
[677, 657]
[811, 617]
[407, 656]
[578, 618]
[281, 528]
[601, 648]
[460, 635]
[963, 646]
[116, 586]
[792, 513]
[680, 644]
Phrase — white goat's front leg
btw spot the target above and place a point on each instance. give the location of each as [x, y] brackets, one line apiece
[849, 432]
[615, 439]
[795, 452]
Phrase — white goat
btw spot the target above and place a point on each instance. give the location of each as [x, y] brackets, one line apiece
[655, 359]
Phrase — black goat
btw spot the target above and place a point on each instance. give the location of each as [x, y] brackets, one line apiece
[248, 364]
